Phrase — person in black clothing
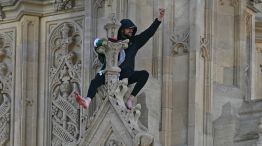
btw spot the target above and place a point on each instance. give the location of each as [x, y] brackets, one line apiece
[127, 30]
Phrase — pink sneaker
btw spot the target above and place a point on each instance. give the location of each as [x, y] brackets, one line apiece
[129, 104]
[82, 101]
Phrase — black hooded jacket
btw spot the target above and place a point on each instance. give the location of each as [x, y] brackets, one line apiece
[135, 43]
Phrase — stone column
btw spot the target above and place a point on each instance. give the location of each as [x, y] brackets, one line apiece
[111, 51]
[166, 74]
[27, 81]
[195, 107]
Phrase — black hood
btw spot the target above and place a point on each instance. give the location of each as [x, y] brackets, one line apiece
[126, 23]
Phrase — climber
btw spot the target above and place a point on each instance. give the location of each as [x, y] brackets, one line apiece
[127, 30]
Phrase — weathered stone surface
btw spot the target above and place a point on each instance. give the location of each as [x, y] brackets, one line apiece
[204, 63]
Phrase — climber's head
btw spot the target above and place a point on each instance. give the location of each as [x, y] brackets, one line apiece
[128, 32]
[127, 29]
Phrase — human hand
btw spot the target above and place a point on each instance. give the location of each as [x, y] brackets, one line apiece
[161, 14]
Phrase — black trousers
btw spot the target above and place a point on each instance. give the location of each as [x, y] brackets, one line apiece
[138, 77]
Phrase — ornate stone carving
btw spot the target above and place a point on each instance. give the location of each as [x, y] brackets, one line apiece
[6, 47]
[99, 3]
[65, 45]
[204, 47]
[63, 4]
[179, 43]
[233, 3]
[111, 28]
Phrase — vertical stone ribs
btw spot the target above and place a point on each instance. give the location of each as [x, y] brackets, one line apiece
[64, 76]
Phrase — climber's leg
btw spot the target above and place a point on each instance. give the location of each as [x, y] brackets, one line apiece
[140, 78]
[95, 83]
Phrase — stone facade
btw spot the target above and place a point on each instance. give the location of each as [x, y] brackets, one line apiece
[205, 65]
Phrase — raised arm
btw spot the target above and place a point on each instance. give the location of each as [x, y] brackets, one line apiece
[143, 37]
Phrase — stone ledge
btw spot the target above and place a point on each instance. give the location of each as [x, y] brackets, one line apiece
[36, 8]
[7, 2]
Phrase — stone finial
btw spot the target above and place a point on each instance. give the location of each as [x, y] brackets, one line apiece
[111, 28]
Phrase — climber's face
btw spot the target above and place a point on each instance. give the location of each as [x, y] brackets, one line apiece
[128, 32]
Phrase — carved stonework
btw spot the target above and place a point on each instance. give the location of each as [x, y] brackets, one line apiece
[111, 28]
[65, 44]
[63, 4]
[99, 3]
[180, 43]
[6, 48]
[233, 3]
[204, 48]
